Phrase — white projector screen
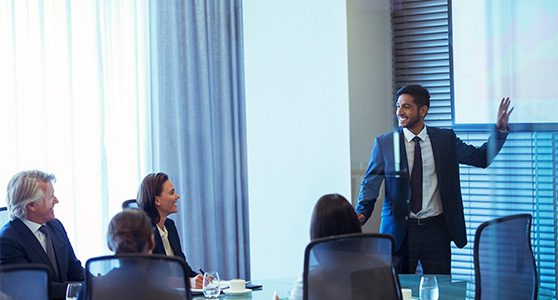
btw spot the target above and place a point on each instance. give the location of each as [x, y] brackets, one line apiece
[505, 48]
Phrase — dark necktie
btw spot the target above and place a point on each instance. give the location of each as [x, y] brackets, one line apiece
[416, 178]
[49, 248]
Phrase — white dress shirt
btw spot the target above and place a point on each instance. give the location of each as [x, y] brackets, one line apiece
[431, 201]
[165, 238]
[34, 227]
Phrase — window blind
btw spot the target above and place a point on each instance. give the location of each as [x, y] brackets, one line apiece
[421, 53]
[522, 178]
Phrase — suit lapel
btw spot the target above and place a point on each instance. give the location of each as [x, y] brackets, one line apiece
[436, 148]
[403, 153]
[159, 249]
[172, 234]
[60, 250]
[31, 243]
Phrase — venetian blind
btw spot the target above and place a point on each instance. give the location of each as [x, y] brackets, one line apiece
[522, 178]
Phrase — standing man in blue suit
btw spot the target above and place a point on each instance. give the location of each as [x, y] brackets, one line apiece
[34, 236]
[422, 207]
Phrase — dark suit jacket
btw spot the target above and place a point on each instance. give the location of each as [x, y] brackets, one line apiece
[174, 242]
[448, 151]
[19, 245]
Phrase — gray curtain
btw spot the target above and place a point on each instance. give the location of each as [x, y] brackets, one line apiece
[198, 127]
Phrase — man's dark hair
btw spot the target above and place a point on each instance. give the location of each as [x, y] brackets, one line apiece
[419, 94]
[333, 215]
[151, 186]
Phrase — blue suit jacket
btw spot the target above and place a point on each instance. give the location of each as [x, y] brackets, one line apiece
[389, 161]
[19, 245]
[174, 242]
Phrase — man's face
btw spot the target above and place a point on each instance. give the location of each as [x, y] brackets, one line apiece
[408, 113]
[43, 211]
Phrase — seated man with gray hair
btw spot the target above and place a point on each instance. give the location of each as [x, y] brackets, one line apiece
[34, 235]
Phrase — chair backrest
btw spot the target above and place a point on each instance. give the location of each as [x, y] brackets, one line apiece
[131, 203]
[504, 262]
[353, 266]
[24, 281]
[4, 216]
[136, 276]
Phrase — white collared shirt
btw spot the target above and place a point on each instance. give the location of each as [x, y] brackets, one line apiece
[34, 227]
[431, 201]
[165, 239]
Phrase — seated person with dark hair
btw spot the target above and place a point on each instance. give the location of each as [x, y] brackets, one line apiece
[158, 197]
[130, 232]
[332, 215]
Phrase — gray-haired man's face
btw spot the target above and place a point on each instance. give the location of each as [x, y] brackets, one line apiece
[43, 211]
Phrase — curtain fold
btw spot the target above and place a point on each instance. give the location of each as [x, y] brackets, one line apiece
[72, 92]
[198, 133]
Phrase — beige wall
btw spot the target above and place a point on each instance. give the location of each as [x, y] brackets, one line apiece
[317, 93]
[297, 123]
[370, 84]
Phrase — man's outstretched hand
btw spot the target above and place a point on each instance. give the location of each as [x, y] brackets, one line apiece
[504, 114]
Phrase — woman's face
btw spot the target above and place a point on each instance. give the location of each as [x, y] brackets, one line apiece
[166, 201]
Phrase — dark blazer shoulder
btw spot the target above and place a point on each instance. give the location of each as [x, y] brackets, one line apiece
[174, 238]
[19, 245]
[440, 132]
[389, 135]
[9, 228]
[174, 241]
[169, 224]
[57, 226]
[385, 141]
[16, 229]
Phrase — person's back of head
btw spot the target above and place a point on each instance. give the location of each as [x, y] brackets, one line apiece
[130, 231]
[134, 277]
[333, 215]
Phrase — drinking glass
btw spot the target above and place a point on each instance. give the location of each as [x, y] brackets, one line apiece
[428, 289]
[211, 287]
[72, 291]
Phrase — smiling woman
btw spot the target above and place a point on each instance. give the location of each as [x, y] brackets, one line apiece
[157, 197]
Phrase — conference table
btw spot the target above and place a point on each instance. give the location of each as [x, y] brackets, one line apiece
[449, 288]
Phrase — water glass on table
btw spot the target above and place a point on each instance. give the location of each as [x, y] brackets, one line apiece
[428, 289]
[72, 290]
[211, 287]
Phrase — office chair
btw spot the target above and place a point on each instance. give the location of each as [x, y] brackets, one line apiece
[504, 262]
[4, 216]
[131, 203]
[352, 266]
[136, 276]
[24, 281]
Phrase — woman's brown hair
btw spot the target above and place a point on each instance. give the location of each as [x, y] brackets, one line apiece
[333, 215]
[151, 186]
[129, 231]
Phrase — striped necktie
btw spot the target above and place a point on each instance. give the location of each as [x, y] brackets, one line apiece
[49, 249]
